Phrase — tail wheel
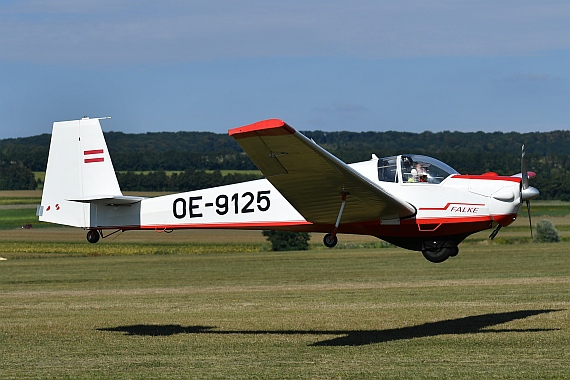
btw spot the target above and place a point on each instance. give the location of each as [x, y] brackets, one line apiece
[330, 241]
[93, 236]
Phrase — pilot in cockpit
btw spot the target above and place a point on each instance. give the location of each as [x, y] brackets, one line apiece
[419, 173]
[413, 171]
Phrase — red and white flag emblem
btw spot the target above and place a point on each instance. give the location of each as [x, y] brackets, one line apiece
[95, 155]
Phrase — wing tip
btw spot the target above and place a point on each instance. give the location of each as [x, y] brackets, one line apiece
[269, 127]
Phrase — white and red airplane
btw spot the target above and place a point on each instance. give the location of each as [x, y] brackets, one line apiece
[412, 201]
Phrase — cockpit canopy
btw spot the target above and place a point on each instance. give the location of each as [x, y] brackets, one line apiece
[413, 168]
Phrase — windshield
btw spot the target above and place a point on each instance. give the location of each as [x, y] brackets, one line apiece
[413, 168]
[416, 168]
[387, 169]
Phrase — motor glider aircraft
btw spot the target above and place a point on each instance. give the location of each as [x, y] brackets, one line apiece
[412, 201]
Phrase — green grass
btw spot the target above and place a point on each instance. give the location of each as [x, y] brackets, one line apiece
[16, 218]
[491, 312]
[19, 249]
[548, 208]
[147, 305]
[20, 201]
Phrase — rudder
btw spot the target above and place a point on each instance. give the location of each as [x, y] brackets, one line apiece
[79, 169]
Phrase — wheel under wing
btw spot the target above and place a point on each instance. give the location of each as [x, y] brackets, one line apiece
[313, 180]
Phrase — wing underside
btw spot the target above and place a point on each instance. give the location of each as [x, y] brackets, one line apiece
[312, 179]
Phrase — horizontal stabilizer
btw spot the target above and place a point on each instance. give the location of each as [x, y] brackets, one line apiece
[110, 200]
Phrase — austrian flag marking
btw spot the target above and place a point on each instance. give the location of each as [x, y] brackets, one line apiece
[91, 156]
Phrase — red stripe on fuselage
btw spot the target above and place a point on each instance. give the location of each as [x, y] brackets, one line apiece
[449, 204]
[412, 228]
[486, 177]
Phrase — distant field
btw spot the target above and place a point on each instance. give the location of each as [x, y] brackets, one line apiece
[8, 196]
[42, 175]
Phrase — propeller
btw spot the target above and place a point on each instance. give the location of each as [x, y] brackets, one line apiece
[527, 192]
[524, 173]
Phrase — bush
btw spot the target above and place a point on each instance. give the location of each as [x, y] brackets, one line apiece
[287, 240]
[546, 232]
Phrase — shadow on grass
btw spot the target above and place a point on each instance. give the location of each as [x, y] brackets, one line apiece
[467, 325]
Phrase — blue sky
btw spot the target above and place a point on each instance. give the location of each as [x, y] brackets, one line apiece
[410, 65]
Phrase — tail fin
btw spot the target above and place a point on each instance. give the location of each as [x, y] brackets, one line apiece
[79, 172]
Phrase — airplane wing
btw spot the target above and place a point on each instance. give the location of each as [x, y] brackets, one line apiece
[312, 179]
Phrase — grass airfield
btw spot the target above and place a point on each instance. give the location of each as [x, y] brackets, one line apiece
[210, 304]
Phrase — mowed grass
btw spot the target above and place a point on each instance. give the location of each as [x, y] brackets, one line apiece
[210, 304]
[494, 311]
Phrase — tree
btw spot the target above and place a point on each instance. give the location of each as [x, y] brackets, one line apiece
[15, 176]
[287, 240]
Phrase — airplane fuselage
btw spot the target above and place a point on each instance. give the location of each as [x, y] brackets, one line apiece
[458, 205]
[413, 201]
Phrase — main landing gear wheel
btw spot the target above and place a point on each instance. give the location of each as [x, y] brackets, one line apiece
[93, 236]
[330, 241]
[439, 251]
[437, 256]
[454, 251]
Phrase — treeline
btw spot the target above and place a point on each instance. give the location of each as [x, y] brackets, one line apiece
[467, 152]
[548, 154]
[187, 180]
[145, 152]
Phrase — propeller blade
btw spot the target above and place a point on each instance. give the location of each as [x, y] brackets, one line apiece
[529, 219]
[524, 173]
[527, 192]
